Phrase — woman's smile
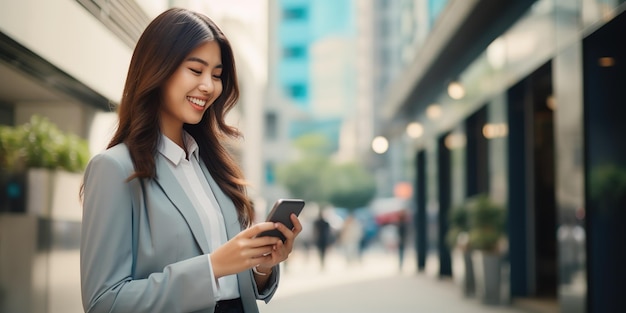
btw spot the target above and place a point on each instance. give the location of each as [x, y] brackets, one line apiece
[197, 103]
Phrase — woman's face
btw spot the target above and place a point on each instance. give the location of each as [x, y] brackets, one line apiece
[192, 88]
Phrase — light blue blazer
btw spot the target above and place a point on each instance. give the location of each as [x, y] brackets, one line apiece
[143, 248]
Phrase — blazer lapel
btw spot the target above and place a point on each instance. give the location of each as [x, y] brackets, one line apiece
[246, 280]
[226, 205]
[170, 186]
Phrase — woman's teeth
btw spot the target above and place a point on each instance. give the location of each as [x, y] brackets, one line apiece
[197, 101]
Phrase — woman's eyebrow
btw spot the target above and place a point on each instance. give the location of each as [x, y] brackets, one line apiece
[205, 63]
[194, 59]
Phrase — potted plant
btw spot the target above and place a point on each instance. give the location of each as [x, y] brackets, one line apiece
[48, 159]
[457, 239]
[488, 241]
[608, 187]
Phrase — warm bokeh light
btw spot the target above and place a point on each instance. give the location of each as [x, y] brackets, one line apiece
[434, 111]
[415, 130]
[455, 141]
[456, 90]
[380, 144]
[496, 53]
[606, 61]
[495, 130]
[403, 190]
[551, 102]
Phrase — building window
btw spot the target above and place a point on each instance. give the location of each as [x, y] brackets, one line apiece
[383, 5]
[271, 125]
[294, 52]
[297, 91]
[297, 13]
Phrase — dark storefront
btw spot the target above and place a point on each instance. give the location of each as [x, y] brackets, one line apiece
[541, 126]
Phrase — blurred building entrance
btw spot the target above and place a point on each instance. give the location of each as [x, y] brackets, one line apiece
[604, 67]
[532, 203]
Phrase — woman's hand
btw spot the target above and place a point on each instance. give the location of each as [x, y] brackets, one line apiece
[244, 251]
[281, 250]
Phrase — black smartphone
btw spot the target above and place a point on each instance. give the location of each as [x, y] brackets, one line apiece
[280, 213]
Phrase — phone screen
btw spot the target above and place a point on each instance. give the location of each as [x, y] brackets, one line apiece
[280, 213]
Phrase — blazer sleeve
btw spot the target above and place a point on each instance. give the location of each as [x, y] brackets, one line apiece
[106, 255]
[268, 292]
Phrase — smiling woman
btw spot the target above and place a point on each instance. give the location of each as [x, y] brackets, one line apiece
[167, 224]
[191, 89]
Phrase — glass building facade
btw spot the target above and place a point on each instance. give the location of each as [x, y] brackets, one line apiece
[523, 105]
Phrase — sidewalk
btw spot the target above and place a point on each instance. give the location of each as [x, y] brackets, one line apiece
[374, 285]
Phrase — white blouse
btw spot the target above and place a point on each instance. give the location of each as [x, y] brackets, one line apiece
[190, 176]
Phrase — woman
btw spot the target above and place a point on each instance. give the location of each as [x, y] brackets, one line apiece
[167, 225]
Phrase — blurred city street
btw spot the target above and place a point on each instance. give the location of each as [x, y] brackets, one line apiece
[481, 136]
[374, 285]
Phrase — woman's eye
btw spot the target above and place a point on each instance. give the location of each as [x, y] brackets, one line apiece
[217, 76]
[195, 71]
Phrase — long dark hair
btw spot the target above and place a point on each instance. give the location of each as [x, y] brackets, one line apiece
[162, 47]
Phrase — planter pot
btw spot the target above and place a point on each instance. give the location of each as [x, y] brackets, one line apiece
[463, 271]
[53, 194]
[488, 275]
[39, 191]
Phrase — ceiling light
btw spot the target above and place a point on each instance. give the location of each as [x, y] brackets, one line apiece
[433, 111]
[415, 130]
[606, 61]
[456, 91]
[380, 144]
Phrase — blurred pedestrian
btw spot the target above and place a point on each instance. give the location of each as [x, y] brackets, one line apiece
[167, 225]
[571, 238]
[402, 227]
[350, 238]
[321, 236]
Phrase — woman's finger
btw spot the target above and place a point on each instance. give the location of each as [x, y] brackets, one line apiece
[297, 226]
[257, 229]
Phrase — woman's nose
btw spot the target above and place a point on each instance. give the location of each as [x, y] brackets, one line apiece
[206, 85]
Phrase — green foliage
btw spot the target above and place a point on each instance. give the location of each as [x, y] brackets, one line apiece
[487, 223]
[73, 153]
[608, 186]
[42, 139]
[314, 178]
[349, 186]
[303, 180]
[458, 223]
[313, 145]
[11, 152]
[40, 144]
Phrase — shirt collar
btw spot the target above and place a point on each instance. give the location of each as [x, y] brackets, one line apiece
[173, 152]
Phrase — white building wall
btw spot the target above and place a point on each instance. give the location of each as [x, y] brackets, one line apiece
[68, 36]
[153, 7]
[332, 77]
[365, 75]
